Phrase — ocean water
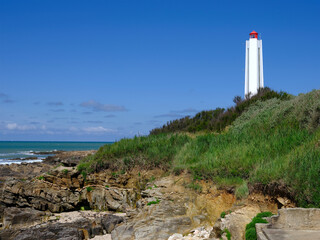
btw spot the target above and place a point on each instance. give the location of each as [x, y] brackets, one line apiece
[17, 151]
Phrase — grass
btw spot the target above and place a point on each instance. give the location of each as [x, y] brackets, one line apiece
[217, 120]
[242, 191]
[273, 141]
[89, 189]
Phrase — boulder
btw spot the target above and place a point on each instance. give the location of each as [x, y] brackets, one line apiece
[110, 221]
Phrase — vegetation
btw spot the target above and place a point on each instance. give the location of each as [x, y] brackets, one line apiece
[223, 214]
[195, 186]
[242, 191]
[228, 234]
[89, 189]
[251, 233]
[217, 120]
[41, 177]
[275, 142]
[153, 202]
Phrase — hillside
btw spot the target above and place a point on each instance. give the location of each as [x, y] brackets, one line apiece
[217, 120]
[272, 145]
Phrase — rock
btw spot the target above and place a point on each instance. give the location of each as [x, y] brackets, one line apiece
[160, 220]
[69, 158]
[110, 221]
[235, 222]
[52, 231]
[40, 195]
[196, 234]
[71, 225]
[22, 217]
[176, 236]
[43, 195]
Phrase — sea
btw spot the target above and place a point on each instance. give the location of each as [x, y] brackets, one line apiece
[20, 151]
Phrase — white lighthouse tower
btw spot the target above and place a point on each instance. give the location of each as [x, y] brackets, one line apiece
[254, 65]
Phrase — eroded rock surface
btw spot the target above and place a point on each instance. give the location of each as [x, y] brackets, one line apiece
[155, 205]
[71, 226]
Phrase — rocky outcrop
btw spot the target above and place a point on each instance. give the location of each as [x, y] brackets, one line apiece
[156, 206]
[43, 195]
[161, 220]
[68, 159]
[17, 218]
[236, 222]
[72, 225]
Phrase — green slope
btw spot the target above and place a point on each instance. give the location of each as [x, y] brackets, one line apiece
[273, 145]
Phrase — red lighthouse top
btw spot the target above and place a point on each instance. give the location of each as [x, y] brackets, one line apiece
[253, 34]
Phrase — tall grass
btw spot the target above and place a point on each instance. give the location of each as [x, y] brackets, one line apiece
[274, 141]
[145, 152]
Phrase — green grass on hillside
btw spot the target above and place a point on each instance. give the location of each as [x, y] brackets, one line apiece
[274, 141]
[217, 120]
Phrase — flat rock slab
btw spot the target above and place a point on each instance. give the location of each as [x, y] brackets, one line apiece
[285, 234]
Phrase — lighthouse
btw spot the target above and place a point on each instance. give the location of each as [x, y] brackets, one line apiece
[254, 65]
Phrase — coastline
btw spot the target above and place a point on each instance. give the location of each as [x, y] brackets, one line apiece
[52, 198]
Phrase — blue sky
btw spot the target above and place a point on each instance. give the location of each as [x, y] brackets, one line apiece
[103, 70]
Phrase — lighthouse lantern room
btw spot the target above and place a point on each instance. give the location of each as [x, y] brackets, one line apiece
[254, 65]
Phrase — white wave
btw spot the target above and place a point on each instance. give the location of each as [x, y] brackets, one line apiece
[3, 161]
[28, 153]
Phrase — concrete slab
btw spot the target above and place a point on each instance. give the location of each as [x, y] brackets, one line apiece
[286, 234]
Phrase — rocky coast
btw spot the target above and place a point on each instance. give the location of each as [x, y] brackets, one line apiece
[52, 200]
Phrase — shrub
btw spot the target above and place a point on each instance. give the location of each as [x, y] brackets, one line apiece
[223, 214]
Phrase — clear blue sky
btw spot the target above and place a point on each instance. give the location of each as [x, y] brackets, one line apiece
[103, 70]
